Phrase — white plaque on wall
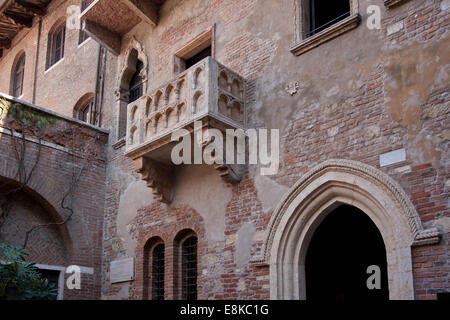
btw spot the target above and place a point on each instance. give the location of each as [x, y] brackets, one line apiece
[122, 270]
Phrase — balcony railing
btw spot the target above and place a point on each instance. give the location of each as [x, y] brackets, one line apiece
[207, 92]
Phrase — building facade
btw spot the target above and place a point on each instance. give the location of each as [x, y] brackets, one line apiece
[354, 96]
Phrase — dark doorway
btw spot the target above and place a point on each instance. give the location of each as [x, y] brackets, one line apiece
[344, 245]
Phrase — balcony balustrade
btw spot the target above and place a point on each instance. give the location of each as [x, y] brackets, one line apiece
[208, 92]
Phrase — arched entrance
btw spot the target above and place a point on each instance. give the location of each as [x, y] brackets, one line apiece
[318, 193]
[336, 265]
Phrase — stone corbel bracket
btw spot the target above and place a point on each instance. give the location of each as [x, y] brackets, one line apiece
[158, 176]
[427, 237]
[232, 174]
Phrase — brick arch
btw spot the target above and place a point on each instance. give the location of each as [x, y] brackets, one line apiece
[328, 185]
[149, 246]
[176, 220]
[87, 97]
[49, 196]
[45, 213]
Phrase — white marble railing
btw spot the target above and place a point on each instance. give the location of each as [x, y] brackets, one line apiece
[207, 89]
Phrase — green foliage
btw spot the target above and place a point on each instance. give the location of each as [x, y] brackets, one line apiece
[21, 280]
[26, 115]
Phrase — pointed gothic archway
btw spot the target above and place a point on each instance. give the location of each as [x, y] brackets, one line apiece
[323, 189]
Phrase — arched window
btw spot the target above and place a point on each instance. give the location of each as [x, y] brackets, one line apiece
[154, 268]
[136, 84]
[133, 82]
[56, 41]
[158, 272]
[84, 109]
[188, 253]
[185, 265]
[189, 268]
[18, 76]
[84, 114]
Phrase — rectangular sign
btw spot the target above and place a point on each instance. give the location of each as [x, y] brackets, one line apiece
[122, 270]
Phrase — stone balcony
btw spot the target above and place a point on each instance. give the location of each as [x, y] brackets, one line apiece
[207, 92]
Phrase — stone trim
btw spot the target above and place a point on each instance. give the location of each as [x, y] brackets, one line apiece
[326, 35]
[315, 194]
[421, 235]
[393, 3]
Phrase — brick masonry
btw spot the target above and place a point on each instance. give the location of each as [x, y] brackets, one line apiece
[68, 150]
[364, 94]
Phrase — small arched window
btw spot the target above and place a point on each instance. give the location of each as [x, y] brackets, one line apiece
[189, 268]
[158, 272]
[56, 41]
[154, 268]
[18, 76]
[84, 109]
[136, 84]
[84, 114]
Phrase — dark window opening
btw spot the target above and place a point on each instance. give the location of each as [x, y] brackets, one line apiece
[84, 113]
[83, 35]
[336, 265]
[198, 57]
[52, 276]
[189, 268]
[56, 46]
[158, 272]
[136, 84]
[443, 296]
[18, 76]
[324, 13]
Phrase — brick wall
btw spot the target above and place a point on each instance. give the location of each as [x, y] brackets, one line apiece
[71, 157]
[350, 104]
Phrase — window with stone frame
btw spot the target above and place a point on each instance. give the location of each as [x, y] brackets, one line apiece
[318, 21]
[83, 36]
[18, 76]
[136, 83]
[323, 14]
[195, 51]
[56, 43]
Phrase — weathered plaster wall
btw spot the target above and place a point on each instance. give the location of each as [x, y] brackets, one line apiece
[360, 95]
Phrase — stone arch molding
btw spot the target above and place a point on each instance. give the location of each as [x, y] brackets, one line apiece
[319, 192]
[127, 64]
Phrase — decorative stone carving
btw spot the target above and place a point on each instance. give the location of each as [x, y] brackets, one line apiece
[325, 186]
[292, 88]
[128, 62]
[158, 176]
[207, 92]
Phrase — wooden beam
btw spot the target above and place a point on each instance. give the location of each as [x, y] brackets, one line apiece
[32, 8]
[18, 19]
[105, 37]
[144, 9]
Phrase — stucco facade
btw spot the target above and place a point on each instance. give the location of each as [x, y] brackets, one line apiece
[363, 120]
